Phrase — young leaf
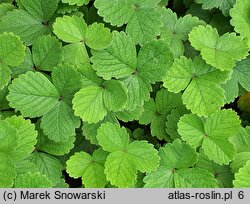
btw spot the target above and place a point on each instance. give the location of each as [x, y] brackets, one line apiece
[32, 94]
[221, 52]
[32, 180]
[90, 168]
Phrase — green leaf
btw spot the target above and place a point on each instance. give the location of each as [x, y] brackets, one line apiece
[98, 37]
[118, 60]
[32, 180]
[222, 173]
[142, 18]
[8, 137]
[88, 104]
[66, 80]
[54, 148]
[90, 168]
[127, 115]
[203, 94]
[154, 59]
[77, 2]
[119, 170]
[71, 29]
[5, 75]
[23, 24]
[212, 134]
[241, 141]
[12, 50]
[240, 18]
[223, 5]
[174, 171]
[112, 138]
[240, 161]
[75, 53]
[175, 30]
[7, 171]
[221, 52]
[41, 9]
[114, 95]
[25, 166]
[242, 178]
[32, 94]
[48, 166]
[47, 52]
[59, 123]
[5, 8]
[26, 134]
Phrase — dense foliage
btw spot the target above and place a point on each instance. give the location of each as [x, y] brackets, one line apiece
[125, 93]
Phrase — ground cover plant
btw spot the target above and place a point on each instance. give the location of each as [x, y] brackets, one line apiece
[125, 93]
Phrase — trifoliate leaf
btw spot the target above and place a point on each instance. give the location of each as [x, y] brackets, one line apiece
[7, 171]
[174, 171]
[47, 52]
[155, 112]
[26, 137]
[90, 130]
[118, 60]
[203, 94]
[32, 94]
[114, 95]
[242, 178]
[125, 159]
[5, 75]
[59, 123]
[112, 138]
[32, 180]
[23, 24]
[54, 148]
[239, 14]
[48, 166]
[41, 9]
[90, 168]
[77, 2]
[66, 80]
[98, 37]
[75, 53]
[212, 134]
[88, 104]
[144, 20]
[176, 30]
[12, 50]
[223, 5]
[71, 29]
[154, 59]
[241, 141]
[5, 8]
[240, 161]
[172, 120]
[222, 173]
[221, 52]
[8, 137]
